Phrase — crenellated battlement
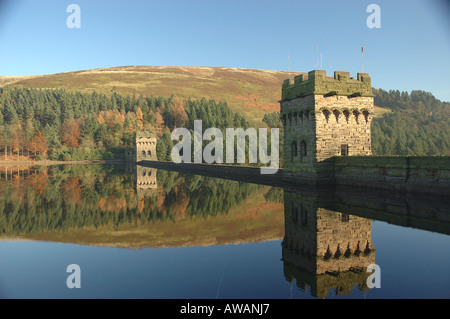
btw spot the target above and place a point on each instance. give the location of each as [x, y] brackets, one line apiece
[145, 134]
[316, 82]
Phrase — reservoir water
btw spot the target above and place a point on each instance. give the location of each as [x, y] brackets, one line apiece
[147, 233]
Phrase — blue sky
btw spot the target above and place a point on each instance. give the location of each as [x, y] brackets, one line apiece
[410, 51]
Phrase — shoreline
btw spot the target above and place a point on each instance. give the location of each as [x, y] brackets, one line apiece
[15, 163]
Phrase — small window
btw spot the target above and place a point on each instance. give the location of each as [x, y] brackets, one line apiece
[344, 150]
[143, 153]
[345, 218]
[303, 148]
[149, 153]
[294, 149]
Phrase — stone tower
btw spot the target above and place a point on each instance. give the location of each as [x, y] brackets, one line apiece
[325, 249]
[145, 146]
[324, 117]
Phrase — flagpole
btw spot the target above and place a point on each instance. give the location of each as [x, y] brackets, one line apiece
[362, 59]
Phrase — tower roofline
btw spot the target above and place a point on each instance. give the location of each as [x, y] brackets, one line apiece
[318, 83]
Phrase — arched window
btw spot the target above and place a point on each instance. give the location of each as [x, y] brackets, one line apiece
[366, 116]
[300, 116]
[149, 153]
[336, 115]
[303, 148]
[356, 114]
[143, 153]
[294, 149]
[326, 113]
[346, 114]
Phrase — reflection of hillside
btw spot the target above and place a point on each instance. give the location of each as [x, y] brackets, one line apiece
[325, 249]
[104, 206]
[252, 220]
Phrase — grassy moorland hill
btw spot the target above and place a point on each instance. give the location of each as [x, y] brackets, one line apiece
[250, 92]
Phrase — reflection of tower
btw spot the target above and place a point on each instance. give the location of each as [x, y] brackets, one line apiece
[323, 248]
[146, 182]
[145, 146]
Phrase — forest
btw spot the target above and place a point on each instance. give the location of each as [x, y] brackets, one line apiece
[61, 125]
[419, 124]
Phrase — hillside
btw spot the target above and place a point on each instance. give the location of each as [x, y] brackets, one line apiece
[67, 120]
[250, 92]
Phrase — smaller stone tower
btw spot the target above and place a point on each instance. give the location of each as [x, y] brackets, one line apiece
[145, 146]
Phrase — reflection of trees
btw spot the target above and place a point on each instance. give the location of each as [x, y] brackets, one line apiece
[71, 197]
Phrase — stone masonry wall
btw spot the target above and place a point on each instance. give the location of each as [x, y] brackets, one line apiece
[341, 120]
[299, 123]
[145, 146]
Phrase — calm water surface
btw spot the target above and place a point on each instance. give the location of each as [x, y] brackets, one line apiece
[147, 233]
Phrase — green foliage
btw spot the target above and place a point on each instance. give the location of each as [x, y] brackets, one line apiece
[164, 147]
[102, 126]
[273, 120]
[275, 195]
[419, 124]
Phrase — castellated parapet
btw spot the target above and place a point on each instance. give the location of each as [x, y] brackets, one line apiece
[145, 146]
[325, 117]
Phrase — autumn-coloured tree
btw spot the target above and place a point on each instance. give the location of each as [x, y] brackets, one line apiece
[180, 117]
[139, 118]
[38, 144]
[70, 133]
[17, 138]
[159, 124]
